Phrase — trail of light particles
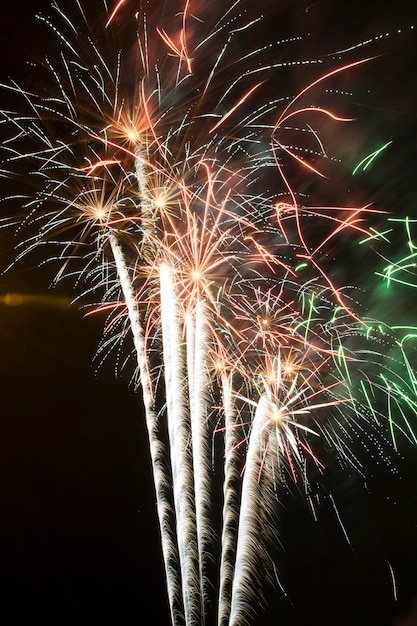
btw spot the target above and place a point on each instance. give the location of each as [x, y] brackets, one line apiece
[199, 387]
[250, 556]
[157, 448]
[230, 500]
[178, 415]
[403, 271]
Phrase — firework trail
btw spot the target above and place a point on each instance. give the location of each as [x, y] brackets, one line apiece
[230, 501]
[151, 172]
[249, 557]
[199, 385]
[179, 434]
[402, 271]
[157, 450]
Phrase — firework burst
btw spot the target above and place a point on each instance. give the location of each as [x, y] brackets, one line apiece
[165, 175]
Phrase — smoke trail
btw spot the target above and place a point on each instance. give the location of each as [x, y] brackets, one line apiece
[250, 556]
[181, 454]
[230, 504]
[157, 448]
[199, 385]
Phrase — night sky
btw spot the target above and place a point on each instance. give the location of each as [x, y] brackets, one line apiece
[78, 529]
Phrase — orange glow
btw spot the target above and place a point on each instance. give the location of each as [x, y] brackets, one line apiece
[92, 168]
[235, 107]
[180, 51]
[115, 10]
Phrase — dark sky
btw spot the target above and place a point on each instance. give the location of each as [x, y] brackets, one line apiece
[78, 531]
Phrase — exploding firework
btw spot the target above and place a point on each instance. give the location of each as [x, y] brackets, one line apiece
[168, 179]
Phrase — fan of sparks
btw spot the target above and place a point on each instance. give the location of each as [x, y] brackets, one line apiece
[161, 171]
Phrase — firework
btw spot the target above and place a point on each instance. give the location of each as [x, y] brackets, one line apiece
[152, 172]
[402, 271]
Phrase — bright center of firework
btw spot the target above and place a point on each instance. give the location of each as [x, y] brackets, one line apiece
[133, 135]
[160, 201]
[196, 275]
[97, 213]
[279, 413]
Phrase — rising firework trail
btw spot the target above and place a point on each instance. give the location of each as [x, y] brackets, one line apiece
[165, 173]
